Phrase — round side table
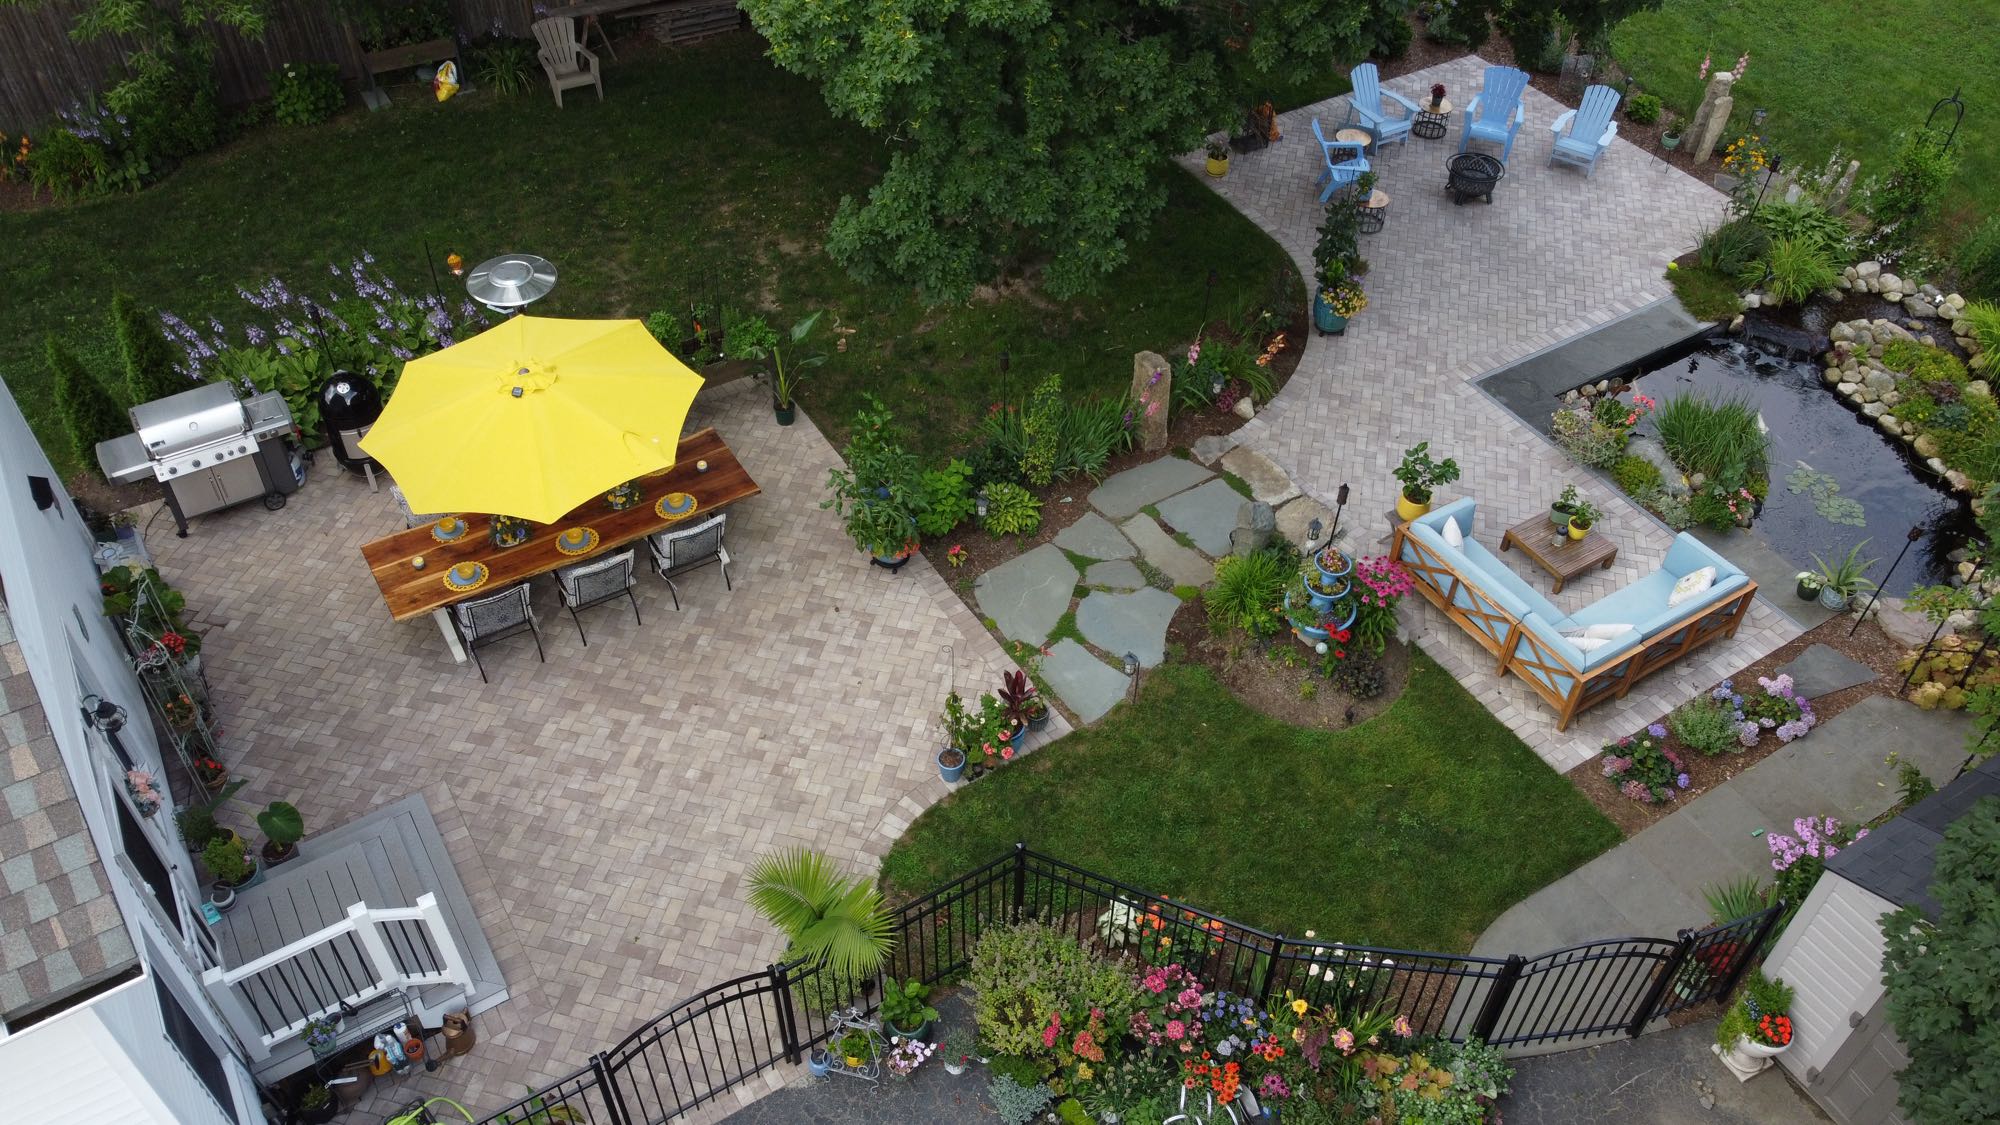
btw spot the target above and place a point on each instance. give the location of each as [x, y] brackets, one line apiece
[1431, 122]
[1374, 214]
[1361, 137]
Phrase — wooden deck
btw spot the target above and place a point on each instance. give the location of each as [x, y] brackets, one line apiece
[388, 858]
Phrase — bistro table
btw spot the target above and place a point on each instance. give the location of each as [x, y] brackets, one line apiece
[410, 592]
[1431, 120]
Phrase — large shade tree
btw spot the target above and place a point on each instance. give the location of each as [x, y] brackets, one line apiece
[1943, 979]
[1034, 132]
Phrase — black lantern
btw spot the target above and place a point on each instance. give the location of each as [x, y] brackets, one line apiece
[349, 403]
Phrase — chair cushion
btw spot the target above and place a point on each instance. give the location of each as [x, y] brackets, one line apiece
[1499, 574]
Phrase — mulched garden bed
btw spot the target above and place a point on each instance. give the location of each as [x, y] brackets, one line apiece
[1869, 646]
[1273, 677]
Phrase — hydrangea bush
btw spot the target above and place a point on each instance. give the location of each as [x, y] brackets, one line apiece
[1776, 706]
[1644, 769]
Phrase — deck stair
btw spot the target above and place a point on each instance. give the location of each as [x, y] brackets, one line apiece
[370, 915]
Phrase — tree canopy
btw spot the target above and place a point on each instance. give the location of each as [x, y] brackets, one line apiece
[1944, 978]
[152, 22]
[1030, 132]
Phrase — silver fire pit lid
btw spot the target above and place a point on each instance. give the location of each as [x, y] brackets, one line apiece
[511, 281]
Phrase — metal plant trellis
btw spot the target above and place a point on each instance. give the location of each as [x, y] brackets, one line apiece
[1956, 102]
[166, 678]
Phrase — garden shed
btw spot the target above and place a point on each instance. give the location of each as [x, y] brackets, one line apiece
[1844, 1051]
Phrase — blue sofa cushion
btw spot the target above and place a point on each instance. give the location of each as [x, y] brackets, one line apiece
[1644, 603]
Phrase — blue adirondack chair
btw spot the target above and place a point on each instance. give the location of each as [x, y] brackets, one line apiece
[1590, 130]
[1496, 113]
[1365, 107]
[1338, 173]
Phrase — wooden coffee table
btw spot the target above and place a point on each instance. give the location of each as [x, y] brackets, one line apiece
[1554, 551]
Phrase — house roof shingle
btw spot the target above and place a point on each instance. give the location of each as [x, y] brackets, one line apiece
[1896, 860]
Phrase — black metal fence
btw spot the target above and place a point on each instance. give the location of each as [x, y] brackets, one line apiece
[720, 1038]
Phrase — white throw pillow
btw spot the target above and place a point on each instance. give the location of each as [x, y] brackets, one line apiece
[1453, 537]
[1691, 586]
[1608, 631]
[1588, 644]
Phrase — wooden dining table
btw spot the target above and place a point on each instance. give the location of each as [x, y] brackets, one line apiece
[411, 591]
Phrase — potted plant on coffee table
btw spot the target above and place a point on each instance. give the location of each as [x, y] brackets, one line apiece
[283, 829]
[1583, 515]
[1564, 505]
[906, 1010]
[1420, 477]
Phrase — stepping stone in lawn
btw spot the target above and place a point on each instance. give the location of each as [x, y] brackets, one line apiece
[1134, 623]
[1118, 574]
[1206, 515]
[1093, 537]
[1182, 566]
[1266, 480]
[1026, 596]
[1122, 494]
[1822, 669]
[1088, 685]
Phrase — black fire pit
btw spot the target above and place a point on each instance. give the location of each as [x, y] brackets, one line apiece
[1472, 175]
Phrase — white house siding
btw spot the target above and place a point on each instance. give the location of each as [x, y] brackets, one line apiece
[76, 1068]
[1832, 955]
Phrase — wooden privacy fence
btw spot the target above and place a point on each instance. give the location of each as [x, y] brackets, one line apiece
[43, 70]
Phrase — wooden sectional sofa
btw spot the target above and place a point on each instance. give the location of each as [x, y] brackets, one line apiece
[1526, 633]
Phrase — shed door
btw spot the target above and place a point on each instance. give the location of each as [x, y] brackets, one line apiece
[1858, 1085]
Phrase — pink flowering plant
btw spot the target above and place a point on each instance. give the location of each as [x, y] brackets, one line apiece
[1382, 583]
[906, 1055]
[1799, 859]
[1644, 768]
[144, 791]
[1776, 706]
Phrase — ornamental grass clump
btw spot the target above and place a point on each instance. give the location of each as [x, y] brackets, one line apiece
[1706, 726]
[1644, 769]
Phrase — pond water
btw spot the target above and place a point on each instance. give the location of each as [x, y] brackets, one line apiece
[1810, 426]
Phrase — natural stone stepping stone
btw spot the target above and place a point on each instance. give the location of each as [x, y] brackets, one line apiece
[1085, 683]
[1026, 596]
[1295, 517]
[1134, 623]
[1822, 669]
[1118, 574]
[1182, 566]
[1206, 515]
[1210, 446]
[1093, 537]
[1123, 494]
[1266, 480]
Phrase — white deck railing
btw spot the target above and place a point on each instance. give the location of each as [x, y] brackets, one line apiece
[271, 999]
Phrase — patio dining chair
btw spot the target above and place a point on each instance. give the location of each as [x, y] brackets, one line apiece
[1496, 112]
[1590, 130]
[410, 518]
[481, 621]
[1343, 172]
[1365, 108]
[677, 552]
[565, 59]
[596, 582]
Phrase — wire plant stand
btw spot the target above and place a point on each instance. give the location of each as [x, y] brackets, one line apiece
[848, 1021]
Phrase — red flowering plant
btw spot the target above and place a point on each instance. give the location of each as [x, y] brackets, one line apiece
[1761, 1015]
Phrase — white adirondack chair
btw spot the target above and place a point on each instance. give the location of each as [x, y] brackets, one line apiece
[567, 61]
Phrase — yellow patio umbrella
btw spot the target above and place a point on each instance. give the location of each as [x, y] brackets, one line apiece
[533, 417]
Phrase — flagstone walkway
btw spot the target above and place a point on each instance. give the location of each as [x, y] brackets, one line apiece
[1457, 292]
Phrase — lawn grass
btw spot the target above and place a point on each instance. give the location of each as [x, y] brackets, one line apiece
[1851, 73]
[706, 171]
[1414, 830]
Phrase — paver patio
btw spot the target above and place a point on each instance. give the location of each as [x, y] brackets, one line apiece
[1456, 292]
[601, 807]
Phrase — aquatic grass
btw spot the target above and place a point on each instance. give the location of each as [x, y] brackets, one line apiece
[1721, 439]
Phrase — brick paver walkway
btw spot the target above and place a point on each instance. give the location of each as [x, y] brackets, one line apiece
[1454, 293]
[601, 807]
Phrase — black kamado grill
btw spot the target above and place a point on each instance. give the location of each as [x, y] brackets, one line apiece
[1471, 175]
[348, 405]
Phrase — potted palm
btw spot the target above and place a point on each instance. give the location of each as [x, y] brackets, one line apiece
[1583, 515]
[1842, 580]
[283, 829]
[1420, 477]
[836, 923]
[756, 340]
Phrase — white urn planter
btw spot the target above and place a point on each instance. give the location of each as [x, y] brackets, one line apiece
[1748, 1058]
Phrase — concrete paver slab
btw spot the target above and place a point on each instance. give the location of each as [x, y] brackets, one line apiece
[1122, 494]
[1092, 536]
[1205, 515]
[1088, 685]
[1134, 623]
[1182, 566]
[1026, 596]
[1116, 574]
[1822, 669]
[1666, 1078]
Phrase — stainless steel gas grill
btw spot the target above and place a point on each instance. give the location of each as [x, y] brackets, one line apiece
[210, 449]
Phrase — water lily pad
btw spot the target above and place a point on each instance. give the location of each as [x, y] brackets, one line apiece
[1825, 492]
